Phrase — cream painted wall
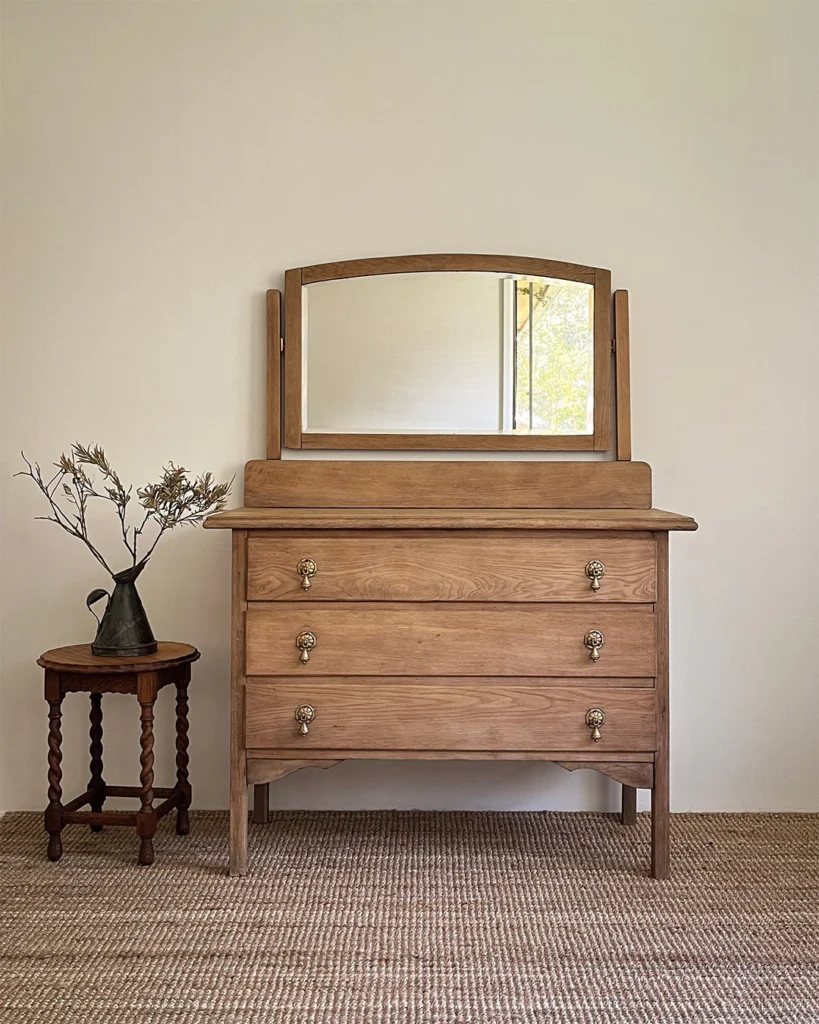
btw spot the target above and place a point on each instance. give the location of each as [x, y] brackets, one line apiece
[163, 163]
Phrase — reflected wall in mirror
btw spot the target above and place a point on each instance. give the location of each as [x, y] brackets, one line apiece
[451, 353]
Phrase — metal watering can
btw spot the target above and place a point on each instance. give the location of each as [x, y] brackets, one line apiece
[124, 630]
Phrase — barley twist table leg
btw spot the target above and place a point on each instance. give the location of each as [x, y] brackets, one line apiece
[182, 777]
[146, 824]
[96, 785]
[53, 814]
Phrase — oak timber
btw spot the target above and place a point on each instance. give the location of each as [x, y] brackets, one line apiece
[622, 375]
[299, 277]
[538, 682]
[628, 812]
[639, 775]
[447, 262]
[465, 566]
[660, 806]
[261, 802]
[450, 598]
[448, 519]
[274, 373]
[319, 441]
[292, 359]
[466, 717]
[238, 761]
[262, 771]
[436, 639]
[602, 361]
[428, 485]
[284, 753]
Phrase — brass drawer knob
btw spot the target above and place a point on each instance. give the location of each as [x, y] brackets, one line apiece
[595, 571]
[305, 713]
[306, 569]
[594, 640]
[305, 643]
[595, 718]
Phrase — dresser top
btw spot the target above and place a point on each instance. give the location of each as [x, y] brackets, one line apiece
[449, 519]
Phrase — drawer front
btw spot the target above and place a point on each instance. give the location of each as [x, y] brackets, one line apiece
[449, 640]
[407, 566]
[467, 715]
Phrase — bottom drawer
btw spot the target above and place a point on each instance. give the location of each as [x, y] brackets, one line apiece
[433, 715]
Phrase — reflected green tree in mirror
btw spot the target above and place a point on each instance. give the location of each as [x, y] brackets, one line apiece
[554, 355]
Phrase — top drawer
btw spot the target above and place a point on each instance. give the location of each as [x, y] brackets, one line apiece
[449, 566]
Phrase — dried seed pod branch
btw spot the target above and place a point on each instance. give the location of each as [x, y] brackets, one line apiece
[74, 494]
[176, 500]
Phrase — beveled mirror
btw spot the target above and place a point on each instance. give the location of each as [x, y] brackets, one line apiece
[448, 352]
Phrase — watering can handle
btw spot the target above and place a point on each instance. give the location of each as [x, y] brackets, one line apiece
[93, 597]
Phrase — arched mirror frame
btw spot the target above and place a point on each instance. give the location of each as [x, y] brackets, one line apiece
[288, 383]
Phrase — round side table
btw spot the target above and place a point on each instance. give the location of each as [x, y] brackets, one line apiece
[77, 670]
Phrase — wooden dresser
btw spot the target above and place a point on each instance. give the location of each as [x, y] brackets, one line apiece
[466, 610]
[460, 631]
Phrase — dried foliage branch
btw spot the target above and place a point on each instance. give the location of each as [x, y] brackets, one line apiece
[176, 500]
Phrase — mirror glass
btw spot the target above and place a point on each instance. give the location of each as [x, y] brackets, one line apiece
[448, 353]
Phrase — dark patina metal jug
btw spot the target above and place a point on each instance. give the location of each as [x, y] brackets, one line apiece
[123, 630]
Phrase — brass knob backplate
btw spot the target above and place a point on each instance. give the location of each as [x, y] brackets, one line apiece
[595, 571]
[306, 569]
[305, 713]
[594, 640]
[305, 643]
[595, 718]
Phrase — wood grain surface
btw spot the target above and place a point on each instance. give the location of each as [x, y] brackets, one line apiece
[449, 639]
[274, 374]
[375, 483]
[78, 658]
[320, 441]
[299, 277]
[622, 375]
[256, 754]
[238, 761]
[448, 519]
[562, 682]
[291, 391]
[660, 793]
[447, 262]
[468, 717]
[513, 566]
[628, 805]
[602, 361]
[632, 775]
[262, 772]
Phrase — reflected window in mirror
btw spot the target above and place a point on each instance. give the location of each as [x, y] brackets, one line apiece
[552, 385]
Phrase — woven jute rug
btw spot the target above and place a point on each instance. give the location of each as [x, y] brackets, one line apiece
[426, 918]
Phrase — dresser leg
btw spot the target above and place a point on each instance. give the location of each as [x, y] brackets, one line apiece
[238, 752]
[261, 804]
[660, 818]
[629, 811]
[238, 822]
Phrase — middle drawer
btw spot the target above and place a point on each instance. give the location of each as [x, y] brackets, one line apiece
[449, 639]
